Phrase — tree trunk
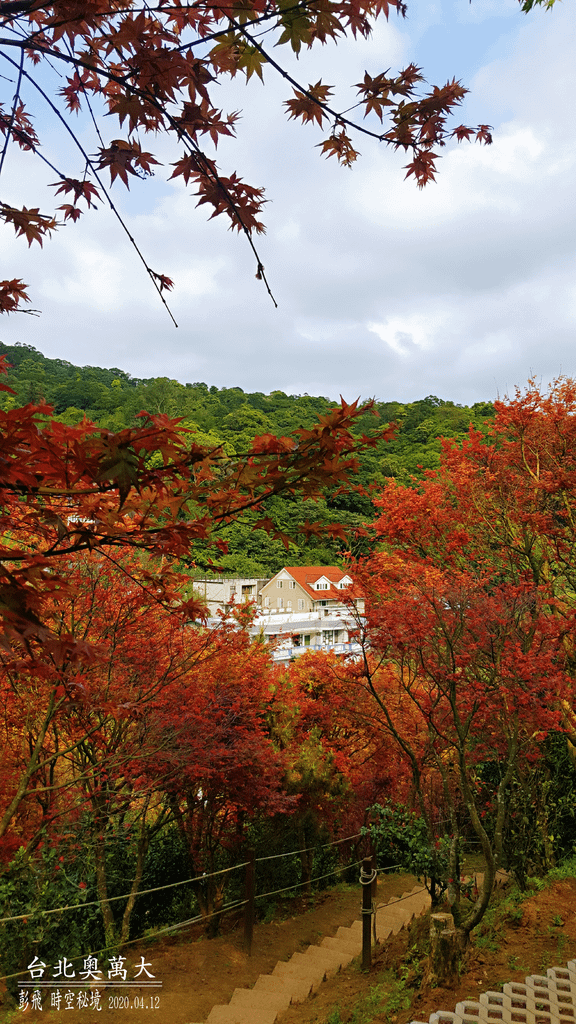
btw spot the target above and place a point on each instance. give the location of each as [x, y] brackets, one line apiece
[105, 906]
[445, 951]
[306, 862]
[143, 844]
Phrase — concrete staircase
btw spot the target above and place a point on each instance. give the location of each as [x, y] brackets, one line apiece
[292, 981]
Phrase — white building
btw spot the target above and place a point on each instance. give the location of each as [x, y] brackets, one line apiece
[307, 607]
[223, 592]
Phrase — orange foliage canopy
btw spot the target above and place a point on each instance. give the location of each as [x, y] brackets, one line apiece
[472, 592]
[72, 491]
[468, 638]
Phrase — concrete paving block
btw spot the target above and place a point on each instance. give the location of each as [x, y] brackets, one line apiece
[469, 1011]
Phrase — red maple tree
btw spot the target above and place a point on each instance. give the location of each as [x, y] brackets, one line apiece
[155, 70]
[467, 637]
[119, 744]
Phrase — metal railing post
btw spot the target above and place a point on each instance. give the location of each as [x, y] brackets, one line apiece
[249, 891]
[366, 879]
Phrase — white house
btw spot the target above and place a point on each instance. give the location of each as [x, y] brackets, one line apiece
[306, 607]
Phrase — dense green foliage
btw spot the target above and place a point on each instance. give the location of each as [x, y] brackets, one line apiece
[32, 890]
[230, 417]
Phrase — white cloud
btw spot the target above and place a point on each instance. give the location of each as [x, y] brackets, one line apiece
[461, 290]
[405, 334]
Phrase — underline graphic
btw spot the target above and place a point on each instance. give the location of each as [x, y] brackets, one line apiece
[91, 982]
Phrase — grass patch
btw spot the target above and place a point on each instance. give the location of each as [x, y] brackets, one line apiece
[388, 997]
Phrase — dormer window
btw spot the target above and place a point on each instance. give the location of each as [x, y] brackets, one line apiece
[322, 586]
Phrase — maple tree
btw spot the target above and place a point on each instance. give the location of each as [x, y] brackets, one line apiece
[68, 489]
[217, 781]
[68, 492]
[155, 69]
[74, 728]
[123, 749]
[335, 764]
[468, 650]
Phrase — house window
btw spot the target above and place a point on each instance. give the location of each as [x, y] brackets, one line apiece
[280, 602]
[266, 602]
[289, 604]
[321, 586]
[292, 585]
[300, 604]
[307, 640]
[247, 588]
[279, 584]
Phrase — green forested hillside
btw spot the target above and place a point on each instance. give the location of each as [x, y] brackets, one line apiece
[232, 417]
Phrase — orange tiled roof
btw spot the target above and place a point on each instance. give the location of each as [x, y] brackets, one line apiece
[307, 575]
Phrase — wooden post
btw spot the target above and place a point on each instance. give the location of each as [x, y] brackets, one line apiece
[249, 888]
[366, 879]
[374, 888]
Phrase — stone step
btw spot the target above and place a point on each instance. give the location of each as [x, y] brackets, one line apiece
[295, 979]
[249, 998]
[275, 983]
[350, 945]
[304, 979]
[241, 1015]
[324, 965]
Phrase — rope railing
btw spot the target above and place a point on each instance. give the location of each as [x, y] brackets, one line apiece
[171, 885]
[234, 905]
[298, 885]
[111, 899]
[141, 938]
[308, 849]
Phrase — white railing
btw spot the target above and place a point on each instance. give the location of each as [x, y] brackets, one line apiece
[286, 653]
[268, 615]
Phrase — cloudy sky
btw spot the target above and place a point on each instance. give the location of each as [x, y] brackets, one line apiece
[462, 290]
